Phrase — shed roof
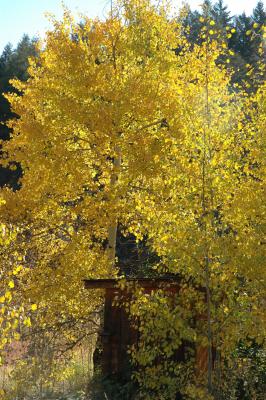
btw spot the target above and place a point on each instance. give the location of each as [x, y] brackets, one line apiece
[143, 282]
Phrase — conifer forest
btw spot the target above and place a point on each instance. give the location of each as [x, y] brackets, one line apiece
[132, 206]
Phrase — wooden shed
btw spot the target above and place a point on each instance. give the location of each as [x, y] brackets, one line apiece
[118, 333]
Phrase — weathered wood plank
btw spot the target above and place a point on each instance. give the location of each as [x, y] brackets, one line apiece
[143, 282]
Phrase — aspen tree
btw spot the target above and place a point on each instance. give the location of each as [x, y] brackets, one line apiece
[209, 217]
[89, 128]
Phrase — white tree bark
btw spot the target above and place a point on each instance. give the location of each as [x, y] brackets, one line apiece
[112, 230]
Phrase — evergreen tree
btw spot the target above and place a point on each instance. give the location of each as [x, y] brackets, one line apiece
[242, 33]
[194, 19]
[5, 56]
[259, 18]
[259, 13]
[192, 22]
[221, 14]
[19, 59]
[13, 64]
[243, 43]
[246, 43]
[207, 9]
[5, 64]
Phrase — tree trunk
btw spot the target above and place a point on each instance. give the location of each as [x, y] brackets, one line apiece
[112, 230]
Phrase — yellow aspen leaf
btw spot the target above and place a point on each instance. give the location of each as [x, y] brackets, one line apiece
[16, 336]
[27, 322]
[17, 270]
[8, 296]
[11, 284]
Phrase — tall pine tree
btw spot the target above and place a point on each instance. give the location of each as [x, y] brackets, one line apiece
[13, 64]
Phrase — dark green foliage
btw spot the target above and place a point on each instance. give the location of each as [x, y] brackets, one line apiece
[221, 14]
[245, 377]
[193, 23]
[253, 379]
[245, 46]
[13, 64]
[217, 12]
[259, 13]
[241, 42]
[112, 387]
